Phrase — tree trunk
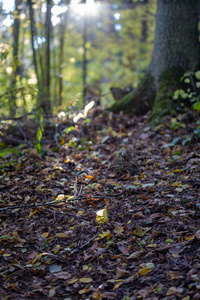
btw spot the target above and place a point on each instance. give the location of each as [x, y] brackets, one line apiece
[176, 50]
[63, 26]
[16, 71]
[84, 76]
[46, 103]
[176, 38]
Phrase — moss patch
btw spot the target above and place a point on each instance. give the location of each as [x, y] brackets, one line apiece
[168, 84]
[138, 101]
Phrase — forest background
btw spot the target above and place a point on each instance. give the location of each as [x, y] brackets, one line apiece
[55, 54]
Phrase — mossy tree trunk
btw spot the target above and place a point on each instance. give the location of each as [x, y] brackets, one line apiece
[176, 50]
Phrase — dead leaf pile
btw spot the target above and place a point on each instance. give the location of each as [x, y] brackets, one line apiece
[112, 213]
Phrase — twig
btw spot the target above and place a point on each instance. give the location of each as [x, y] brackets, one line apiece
[84, 245]
[17, 118]
[51, 203]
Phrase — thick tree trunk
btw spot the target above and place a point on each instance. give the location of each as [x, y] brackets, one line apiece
[176, 41]
[176, 50]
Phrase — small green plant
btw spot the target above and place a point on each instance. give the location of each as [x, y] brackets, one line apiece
[39, 118]
[192, 90]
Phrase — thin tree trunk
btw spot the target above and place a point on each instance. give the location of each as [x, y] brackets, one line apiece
[144, 27]
[46, 101]
[33, 35]
[16, 28]
[63, 25]
[84, 59]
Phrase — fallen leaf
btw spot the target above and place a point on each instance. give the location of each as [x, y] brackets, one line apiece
[72, 281]
[139, 231]
[62, 275]
[146, 268]
[62, 235]
[118, 229]
[52, 292]
[109, 295]
[136, 255]
[138, 215]
[85, 279]
[121, 273]
[55, 268]
[197, 235]
[174, 291]
[104, 234]
[83, 291]
[102, 215]
[45, 234]
[118, 284]
[145, 271]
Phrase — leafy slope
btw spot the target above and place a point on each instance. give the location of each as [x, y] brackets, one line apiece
[114, 214]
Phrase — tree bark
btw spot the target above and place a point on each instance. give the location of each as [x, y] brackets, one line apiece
[46, 103]
[176, 41]
[176, 50]
[16, 71]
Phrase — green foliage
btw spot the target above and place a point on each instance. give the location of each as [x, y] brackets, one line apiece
[5, 152]
[39, 119]
[191, 93]
[114, 57]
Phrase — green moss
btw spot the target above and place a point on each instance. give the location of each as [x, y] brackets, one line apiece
[124, 104]
[164, 104]
[138, 101]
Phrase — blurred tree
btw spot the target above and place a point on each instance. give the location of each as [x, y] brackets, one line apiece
[176, 50]
[46, 102]
[41, 55]
[16, 62]
[66, 53]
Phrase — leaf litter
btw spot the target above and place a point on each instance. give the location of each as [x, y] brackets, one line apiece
[112, 213]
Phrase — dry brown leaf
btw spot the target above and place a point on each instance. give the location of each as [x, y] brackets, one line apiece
[136, 255]
[109, 295]
[121, 273]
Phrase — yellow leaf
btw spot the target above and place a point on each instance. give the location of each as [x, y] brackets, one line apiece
[72, 281]
[145, 271]
[176, 183]
[45, 234]
[189, 238]
[81, 212]
[6, 255]
[61, 142]
[15, 234]
[39, 255]
[104, 234]
[85, 279]
[139, 231]
[32, 213]
[83, 291]
[152, 245]
[91, 177]
[102, 215]
[97, 296]
[62, 235]
[52, 291]
[60, 197]
[176, 170]
[118, 229]
[117, 285]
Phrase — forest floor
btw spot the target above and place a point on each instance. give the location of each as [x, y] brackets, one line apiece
[112, 213]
